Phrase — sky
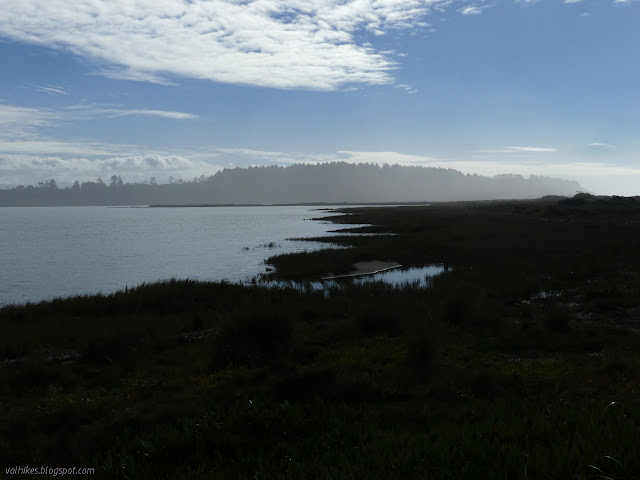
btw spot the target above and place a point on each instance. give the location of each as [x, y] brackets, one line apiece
[184, 88]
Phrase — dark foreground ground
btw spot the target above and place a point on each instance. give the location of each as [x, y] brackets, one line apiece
[520, 362]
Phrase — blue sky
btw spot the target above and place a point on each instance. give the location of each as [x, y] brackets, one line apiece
[184, 88]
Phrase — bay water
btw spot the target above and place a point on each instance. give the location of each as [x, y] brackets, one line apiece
[48, 252]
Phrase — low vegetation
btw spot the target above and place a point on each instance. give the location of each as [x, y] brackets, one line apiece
[519, 362]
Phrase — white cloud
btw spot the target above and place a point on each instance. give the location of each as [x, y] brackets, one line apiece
[29, 169]
[409, 89]
[520, 150]
[115, 112]
[26, 122]
[391, 158]
[251, 152]
[20, 122]
[276, 43]
[484, 165]
[571, 1]
[532, 149]
[46, 147]
[53, 90]
[472, 10]
[596, 144]
[244, 156]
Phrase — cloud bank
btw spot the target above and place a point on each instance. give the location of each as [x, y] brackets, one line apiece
[312, 44]
[26, 163]
[30, 169]
[488, 167]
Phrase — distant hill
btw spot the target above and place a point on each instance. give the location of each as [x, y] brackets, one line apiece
[324, 183]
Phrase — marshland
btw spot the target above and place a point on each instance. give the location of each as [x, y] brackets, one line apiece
[518, 361]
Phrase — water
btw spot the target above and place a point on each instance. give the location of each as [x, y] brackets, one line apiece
[419, 277]
[400, 277]
[48, 252]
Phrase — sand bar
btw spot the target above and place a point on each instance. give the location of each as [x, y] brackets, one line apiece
[366, 268]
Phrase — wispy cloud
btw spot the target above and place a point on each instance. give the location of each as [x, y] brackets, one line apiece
[47, 147]
[53, 90]
[605, 145]
[121, 112]
[21, 122]
[407, 88]
[313, 44]
[532, 149]
[472, 9]
[520, 150]
[27, 122]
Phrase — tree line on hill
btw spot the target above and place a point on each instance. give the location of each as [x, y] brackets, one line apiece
[337, 182]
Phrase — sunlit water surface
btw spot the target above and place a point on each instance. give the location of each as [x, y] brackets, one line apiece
[48, 252]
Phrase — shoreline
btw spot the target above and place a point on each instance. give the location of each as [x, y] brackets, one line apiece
[304, 204]
[366, 268]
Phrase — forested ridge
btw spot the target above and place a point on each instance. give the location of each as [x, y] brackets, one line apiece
[323, 183]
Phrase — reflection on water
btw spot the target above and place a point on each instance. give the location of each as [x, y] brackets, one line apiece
[418, 277]
[399, 277]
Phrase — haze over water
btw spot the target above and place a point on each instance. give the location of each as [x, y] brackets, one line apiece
[49, 252]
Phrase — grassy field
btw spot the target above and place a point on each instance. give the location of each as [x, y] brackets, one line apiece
[520, 362]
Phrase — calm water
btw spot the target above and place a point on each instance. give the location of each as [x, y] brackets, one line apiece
[49, 252]
[401, 277]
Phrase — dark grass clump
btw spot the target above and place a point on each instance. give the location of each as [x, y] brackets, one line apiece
[379, 320]
[305, 384]
[471, 310]
[253, 339]
[557, 318]
[421, 355]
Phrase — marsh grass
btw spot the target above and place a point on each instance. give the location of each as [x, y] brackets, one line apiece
[477, 376]
[251, 339]
[557, 318]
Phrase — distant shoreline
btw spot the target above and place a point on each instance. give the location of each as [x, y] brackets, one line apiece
[211, 205]
[309, 204]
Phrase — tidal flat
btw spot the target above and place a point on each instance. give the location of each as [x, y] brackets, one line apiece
[519, 361]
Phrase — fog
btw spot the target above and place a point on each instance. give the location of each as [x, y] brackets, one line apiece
[323, 183]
